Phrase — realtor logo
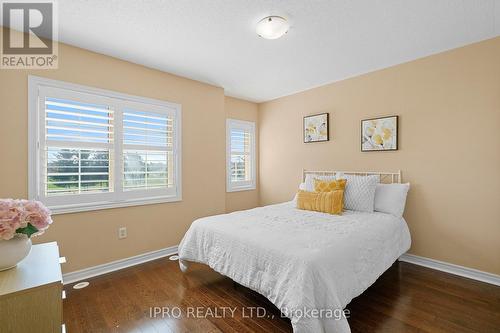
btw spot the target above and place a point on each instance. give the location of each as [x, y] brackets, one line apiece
[28, 35]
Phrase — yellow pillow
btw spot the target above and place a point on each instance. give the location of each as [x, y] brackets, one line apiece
[325, 202]
[329, 185]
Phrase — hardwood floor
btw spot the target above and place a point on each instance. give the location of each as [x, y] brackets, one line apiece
[407, 298]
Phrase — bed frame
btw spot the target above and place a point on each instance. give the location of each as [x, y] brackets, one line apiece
[385, 177]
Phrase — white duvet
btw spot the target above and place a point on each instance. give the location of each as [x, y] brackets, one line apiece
[300, 260]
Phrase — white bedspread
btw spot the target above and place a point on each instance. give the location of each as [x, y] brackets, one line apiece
[299, 259]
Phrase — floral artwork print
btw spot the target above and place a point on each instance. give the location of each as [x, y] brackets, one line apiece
[379, 134]
[316, 128]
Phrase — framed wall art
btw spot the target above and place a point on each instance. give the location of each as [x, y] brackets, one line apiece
[316, 128]
[379, 134]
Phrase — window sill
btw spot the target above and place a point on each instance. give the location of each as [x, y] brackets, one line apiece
[241, 188]
[112, 204]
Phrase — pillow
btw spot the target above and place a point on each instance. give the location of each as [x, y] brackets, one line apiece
[325, 202]
[360, 192]
[309, 182]
[391, 198]
[328, 186]
[302, 186]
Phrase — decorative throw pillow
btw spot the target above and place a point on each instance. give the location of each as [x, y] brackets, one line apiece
[325, 202]
[360, 192]
[309, 182]
[328, 186]
[391, 198]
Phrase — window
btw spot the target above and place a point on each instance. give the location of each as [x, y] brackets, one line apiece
[240, 155]
[93, 149]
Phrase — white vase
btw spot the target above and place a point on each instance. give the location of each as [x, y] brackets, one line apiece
[14, 250]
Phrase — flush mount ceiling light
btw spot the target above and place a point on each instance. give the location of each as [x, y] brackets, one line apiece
[272, 27]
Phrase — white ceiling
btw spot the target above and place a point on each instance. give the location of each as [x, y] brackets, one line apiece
[214, 41]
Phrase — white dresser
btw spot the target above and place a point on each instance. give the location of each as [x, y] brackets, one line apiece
[31, 294]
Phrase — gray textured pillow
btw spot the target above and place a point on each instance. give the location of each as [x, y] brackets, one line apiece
[359, 192]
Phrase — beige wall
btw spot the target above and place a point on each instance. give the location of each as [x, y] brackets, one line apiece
[90, 238]
[449, 108]
[243, 110]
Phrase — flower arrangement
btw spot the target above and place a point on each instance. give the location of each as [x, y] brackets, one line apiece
[23, 217]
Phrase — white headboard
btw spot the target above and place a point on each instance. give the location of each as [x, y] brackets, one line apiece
[385, 177]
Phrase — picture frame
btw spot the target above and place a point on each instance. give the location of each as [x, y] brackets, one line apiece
[380, 134]
[316, 128]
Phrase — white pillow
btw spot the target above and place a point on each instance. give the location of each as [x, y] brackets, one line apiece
[302, 186]
[391, 198]
[309, 183]
[359, 192]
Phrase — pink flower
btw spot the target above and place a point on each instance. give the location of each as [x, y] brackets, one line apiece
[11, 218]
[37, 215]
[15, 214]
[6, 232]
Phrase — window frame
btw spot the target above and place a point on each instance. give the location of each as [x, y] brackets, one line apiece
[235, 186]
[37, 86]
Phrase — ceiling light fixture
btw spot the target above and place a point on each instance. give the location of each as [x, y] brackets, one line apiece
[272, 27]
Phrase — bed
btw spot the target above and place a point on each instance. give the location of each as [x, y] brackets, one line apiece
[309, 264]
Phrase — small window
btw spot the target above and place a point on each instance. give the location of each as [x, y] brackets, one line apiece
[92, 149]
[240, 155]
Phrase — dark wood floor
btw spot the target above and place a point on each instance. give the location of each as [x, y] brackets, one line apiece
[407, 298]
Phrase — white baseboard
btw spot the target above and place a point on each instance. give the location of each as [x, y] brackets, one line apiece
[117, 265]
[452, 268]
[145, 257]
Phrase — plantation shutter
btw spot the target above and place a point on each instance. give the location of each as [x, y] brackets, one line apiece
[241, 167]
[93, 149]
[147, 150]
[241, 155]
[77, 144]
